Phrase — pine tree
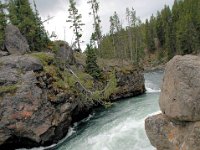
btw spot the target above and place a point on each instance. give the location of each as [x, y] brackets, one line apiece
[169, 45]
[112, 29]
[149, 36]
[187, 37]
[75, 18]
[2, 24]
[116, 22]
[22, 16]
[117, 27]
[91, 63]
[133, 33]
[97, 34]
[107, 48]
[160, 30]
[13, 10]
[41, 37]
[130, 37]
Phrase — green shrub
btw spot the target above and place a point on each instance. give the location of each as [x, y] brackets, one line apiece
[45, 58]
[91, 63]
[111, 86]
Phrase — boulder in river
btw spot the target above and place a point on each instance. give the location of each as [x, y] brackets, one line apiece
[178, 126]
[180, 96]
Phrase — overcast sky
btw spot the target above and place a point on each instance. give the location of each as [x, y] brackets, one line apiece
[58, 9]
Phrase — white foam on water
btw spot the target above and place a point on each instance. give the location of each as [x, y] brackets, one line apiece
[153, 114]
[120, 135]
[151, 87]
[149, 90]
[38, 148]
[88, 118]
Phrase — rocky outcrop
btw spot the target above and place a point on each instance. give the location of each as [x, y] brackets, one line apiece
[27, 117]
[15, 42]
[178, 126]
[129, 84]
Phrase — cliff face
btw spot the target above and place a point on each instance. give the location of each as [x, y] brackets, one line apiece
[178, 127]
[42, 94]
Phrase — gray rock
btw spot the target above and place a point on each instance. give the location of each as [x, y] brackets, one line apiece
[65, 54]
[130, 84]
[180, 93]
[15, 42]
[168, 134]
[25, 63]
[11, 68]
[27, 114]
[8, 76]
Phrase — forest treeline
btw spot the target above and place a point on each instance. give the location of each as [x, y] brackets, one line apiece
[171, 31]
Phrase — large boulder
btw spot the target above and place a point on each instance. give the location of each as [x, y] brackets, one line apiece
[65, 53]
[180, 93]
[178, 127]
[15, 42]
[167, 134]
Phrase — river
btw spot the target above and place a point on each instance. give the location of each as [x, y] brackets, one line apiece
[120, 127]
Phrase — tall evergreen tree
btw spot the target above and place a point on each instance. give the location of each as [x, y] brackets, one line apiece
[28, 22]
[112, 29]
[2, 24]
[107, 47]
[149, 36]
[133, 33]
[117, 23]
[159, 29]
[130, 37]
[97, 34]
[75, 18]
[169, 45]
[91, 63]
[117, 28]
[187, 38]
[41, 37]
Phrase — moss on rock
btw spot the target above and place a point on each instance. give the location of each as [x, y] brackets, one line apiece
[8, 89]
